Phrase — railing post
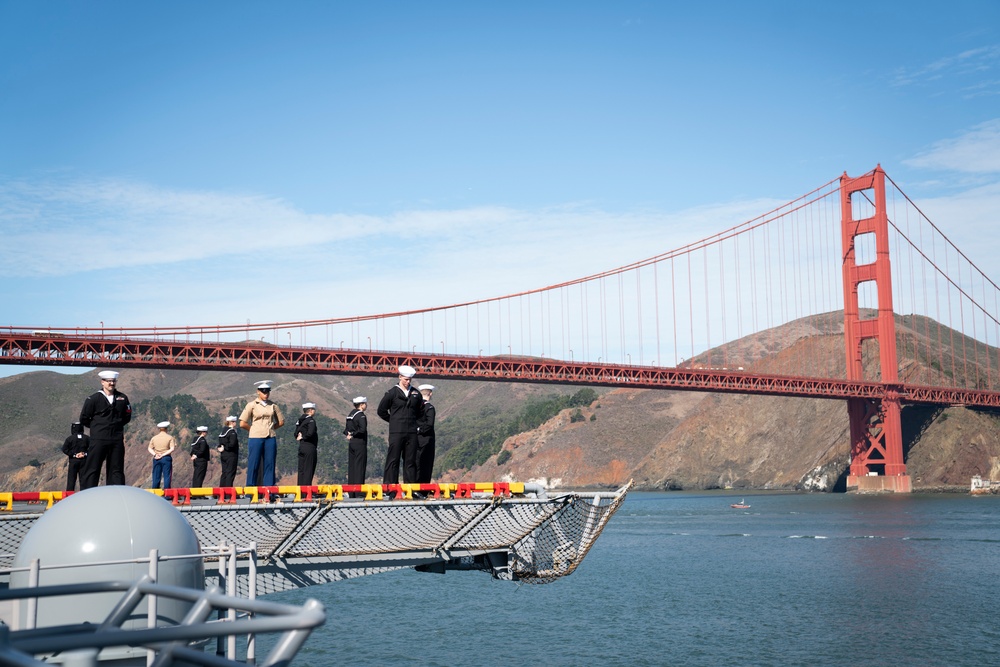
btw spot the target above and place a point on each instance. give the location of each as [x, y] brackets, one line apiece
[231, 581]
[252, 595]
[223, 567]
[32, 611]
[151, 605]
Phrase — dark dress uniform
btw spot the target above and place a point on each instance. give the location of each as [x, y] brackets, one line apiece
[356, 426]
[425, 444]
[306, 426]
[201, 458]
[402, 410]
[106, 420]
[78, 442]
[229, 443]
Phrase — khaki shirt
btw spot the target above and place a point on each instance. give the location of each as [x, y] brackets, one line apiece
[262, 417]
[162, 443]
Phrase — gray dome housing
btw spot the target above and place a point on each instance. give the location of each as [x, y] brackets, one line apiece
[109, 523]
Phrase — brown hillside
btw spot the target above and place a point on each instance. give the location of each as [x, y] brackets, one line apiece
[661, 439]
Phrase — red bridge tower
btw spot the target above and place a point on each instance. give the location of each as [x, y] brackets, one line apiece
[876, 430]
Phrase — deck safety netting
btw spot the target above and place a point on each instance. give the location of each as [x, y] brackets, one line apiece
[556, 548]
[298, 544]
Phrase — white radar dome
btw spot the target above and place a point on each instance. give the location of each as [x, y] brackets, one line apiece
[77, 539]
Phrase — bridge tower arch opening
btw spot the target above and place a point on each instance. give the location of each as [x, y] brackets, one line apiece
[875, 424]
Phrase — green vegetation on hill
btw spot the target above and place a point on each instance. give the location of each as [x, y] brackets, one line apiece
[477, 437]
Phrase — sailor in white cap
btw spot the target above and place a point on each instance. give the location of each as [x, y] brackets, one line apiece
[308, 438]
[200, 456]
[229, 451]
[425, 437]
[261, 417]
[401, 406]
[356, 430]
[161, 446]
[105, 413]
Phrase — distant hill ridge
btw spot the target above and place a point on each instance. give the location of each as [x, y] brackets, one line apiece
[491, 430]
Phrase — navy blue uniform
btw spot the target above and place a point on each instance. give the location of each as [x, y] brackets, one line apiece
[106, 421]
[402, 410]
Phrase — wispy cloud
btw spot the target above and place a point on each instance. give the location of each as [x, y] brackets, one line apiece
[972, 62]
[203, 257]
[975, 152]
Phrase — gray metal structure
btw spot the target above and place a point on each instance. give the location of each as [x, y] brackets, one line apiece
[533, 538]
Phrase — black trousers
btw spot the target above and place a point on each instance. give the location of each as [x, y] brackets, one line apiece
[401, 445]
[75, 472]
[229, 461]
[200, 468]
[307, 463]
[425, 458]
[109, 453]
[357, 461]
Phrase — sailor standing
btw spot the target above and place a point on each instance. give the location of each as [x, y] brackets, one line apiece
[401, 406]
[229, 452]
[200, 456]
[308, 438]
[425, 436]
[356, 430]
[75, 447]
[105, 413]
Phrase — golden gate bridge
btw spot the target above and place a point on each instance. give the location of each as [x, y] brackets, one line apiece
[848, 292]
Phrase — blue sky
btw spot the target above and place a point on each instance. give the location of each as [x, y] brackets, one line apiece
[200, 163]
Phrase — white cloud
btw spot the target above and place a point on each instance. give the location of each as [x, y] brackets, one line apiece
[208, 258]
[975, 152]
[969, 62]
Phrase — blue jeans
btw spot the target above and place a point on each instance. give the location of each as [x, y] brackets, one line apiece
[257, 448]
[163, 467]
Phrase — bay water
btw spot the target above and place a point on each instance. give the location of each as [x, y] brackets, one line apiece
[684, 579]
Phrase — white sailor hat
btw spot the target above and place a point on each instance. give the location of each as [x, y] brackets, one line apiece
[407, 371]
[231, 418]
[202, 429]
[427, 387]
[307, 406]
[358, 400]
[108, 375]
[263, 384]
[163, 425]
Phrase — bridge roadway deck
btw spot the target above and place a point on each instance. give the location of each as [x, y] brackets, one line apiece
[313, 535]
[58, 349]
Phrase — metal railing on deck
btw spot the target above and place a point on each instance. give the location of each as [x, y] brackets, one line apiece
[80, 644]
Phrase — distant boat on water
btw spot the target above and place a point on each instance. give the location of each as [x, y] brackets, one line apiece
[740, 505]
